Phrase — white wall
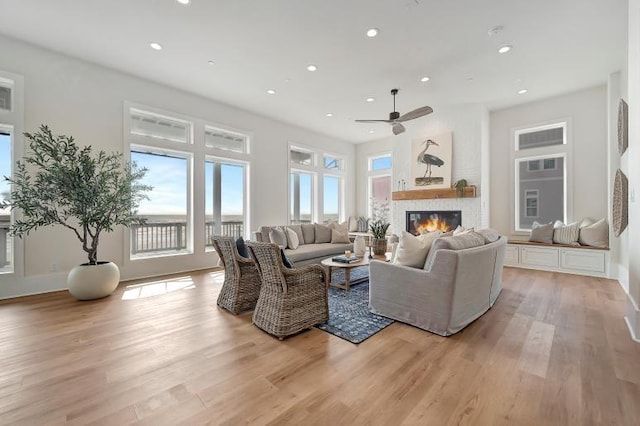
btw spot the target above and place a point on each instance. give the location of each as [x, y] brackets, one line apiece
[587, 110]
[85, 100]
[633, 95]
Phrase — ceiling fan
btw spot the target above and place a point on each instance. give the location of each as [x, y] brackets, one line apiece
[395, 119]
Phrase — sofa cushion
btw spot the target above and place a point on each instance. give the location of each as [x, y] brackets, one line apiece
[277, 236]
[308, 233]
[541, 233]
[323, 234]
[353, 224]
[313, 251]
[292, 238]
[455, 242]
[490, 235]
[566, 234]
[338, 237]
[412, 250]
[298, 230]
[462, 230]
[595, 234]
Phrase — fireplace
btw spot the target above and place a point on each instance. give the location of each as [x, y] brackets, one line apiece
[433, 220]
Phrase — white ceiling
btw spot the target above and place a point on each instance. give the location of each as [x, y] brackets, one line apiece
[559, 46]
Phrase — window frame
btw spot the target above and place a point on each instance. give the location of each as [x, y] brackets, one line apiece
[13, 121]
[534, 196]
[564, 150]
[372, 174]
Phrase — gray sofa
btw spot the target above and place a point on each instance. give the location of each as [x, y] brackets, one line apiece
[309, 251]
[455, 288]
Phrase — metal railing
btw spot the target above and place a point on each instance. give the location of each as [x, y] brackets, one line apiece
[172, 236]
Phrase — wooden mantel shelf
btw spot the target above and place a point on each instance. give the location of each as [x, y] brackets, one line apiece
[424, 194]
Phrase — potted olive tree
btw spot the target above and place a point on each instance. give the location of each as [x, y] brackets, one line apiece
[60, 183]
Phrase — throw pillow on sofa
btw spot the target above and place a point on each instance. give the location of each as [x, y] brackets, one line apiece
[242, 248]
[454, 242]
[462, 230]
[595, 234]
[298, 230]
[490, 235]
[566, 234]
[541, 233]
[412, 251]
[277, 236]
[323, 233]
[353, 224]
[338, 237]
[308, 233]
[292, 238]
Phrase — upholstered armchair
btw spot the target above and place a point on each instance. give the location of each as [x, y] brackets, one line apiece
[241, 286]
[291, 300]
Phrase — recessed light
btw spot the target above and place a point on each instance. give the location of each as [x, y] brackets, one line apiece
[184, 1]
[505, 48]
[424, 79]
[271, 92]
[312, 67]
[211, 62]
[155, 46]
[371, 99]
[371, 131]
[329, 114]
[522, 91]
[372, 32]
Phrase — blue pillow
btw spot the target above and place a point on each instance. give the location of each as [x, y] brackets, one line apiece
[285, 261]
[242, 248]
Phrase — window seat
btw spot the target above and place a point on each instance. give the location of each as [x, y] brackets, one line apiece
[581, 260]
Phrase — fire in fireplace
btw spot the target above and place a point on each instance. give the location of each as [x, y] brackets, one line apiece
[429, 221]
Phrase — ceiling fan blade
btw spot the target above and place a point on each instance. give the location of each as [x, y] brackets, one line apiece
[398, 128]
[419, 112]
[374, 121]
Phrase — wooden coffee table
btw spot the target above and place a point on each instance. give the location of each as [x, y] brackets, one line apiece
[364, 261]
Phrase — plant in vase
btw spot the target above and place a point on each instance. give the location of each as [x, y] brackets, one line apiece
[378, 226]
[60, 183]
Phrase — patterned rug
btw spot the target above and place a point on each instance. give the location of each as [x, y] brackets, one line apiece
[349, 316]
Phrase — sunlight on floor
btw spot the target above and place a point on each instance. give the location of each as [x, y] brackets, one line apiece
[217, 277]
[156, 288]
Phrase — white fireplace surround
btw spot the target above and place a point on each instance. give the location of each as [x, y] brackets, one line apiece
[470, 208]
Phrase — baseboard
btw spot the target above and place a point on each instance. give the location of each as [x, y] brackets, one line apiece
[32, 285]
[623, 277]
[633, 318]
[631, 331]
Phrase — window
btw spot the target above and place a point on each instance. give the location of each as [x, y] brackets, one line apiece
[301, 198]
[379, 180]
[6, 243]
[225, 199]
[159, 127]
[301, 157]
[167, 230]
[531, 203]
[332, 163]
[541, 177]
[225, 140]
[332, 188]
[11, 142]
[6, 90]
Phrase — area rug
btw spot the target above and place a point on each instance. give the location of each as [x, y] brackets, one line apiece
[349, 316]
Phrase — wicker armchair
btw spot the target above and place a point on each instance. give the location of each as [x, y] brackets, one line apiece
[291, 300]
[242, 282]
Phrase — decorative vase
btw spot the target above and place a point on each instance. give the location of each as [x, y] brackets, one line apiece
[89, 282]
[379, 246]
[359, 246]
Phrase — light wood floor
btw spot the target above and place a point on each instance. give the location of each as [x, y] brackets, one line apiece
[554, 350]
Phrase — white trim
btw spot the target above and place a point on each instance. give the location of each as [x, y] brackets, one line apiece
[548, 125]
[631, 330]
[535, 195]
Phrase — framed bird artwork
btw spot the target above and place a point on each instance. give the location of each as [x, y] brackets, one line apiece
[431, 161]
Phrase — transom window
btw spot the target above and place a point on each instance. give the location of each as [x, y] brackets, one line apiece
[160, 127]
[301, 157]
[6, 91]
[225, 140]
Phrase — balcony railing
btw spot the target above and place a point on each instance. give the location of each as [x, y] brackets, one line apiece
[172, 236]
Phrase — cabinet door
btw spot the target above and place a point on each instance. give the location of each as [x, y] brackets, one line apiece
[583, 260]
[537, 256]
[511, 255]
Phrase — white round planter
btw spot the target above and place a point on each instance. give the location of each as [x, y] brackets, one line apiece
[88, 282]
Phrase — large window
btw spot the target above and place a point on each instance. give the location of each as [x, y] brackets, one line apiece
[11, 129]
[225, 199]
[6, 243]
[379, 180]
[541, 175]
[301, 200]
[316, 180]
[167, 229]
